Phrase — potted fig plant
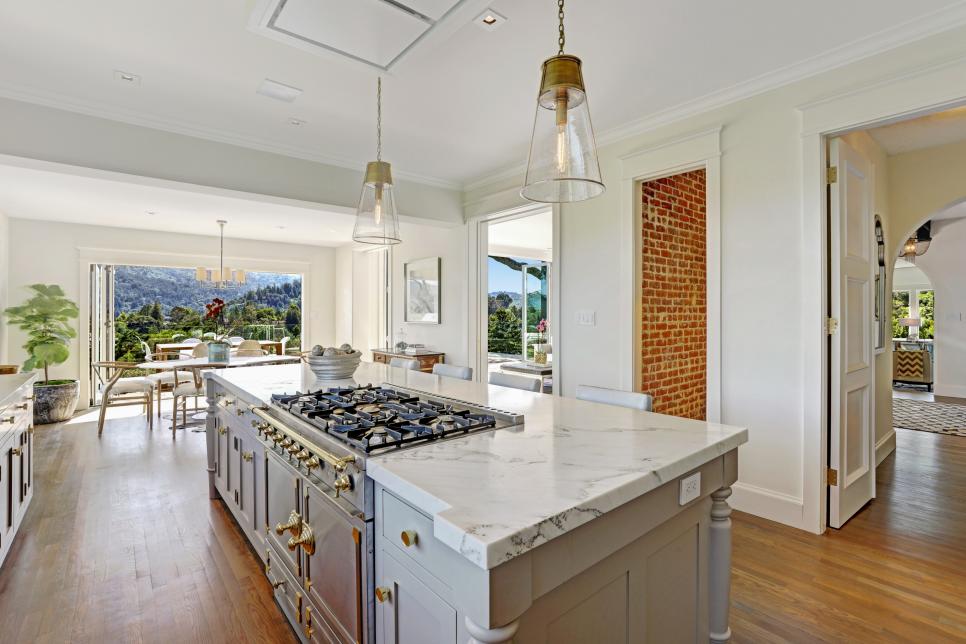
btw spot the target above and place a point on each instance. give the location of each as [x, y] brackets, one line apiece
[46, 318]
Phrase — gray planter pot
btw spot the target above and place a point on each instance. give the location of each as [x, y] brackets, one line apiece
[55, 403]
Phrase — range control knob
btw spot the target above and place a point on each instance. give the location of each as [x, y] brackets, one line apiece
[342, 484]
[303, 455]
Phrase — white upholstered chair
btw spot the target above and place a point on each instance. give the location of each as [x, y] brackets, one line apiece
[515, 381]
[250, 348]
[120, 392]
[161, 379]
[404, 363]
[631, 399]
[453, 371]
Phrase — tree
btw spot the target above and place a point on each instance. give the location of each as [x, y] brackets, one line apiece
[504, 329]
[293, 319]
[900, 309]
[927, 309]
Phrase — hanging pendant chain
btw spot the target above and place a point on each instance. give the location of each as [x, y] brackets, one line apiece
[560, 15]
[379, 118]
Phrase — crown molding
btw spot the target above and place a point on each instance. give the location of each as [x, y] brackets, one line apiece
[104, 111]
[931, 24]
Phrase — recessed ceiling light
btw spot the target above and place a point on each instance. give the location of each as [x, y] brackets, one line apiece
[295, 122]
[278, 91]
[150, 212]
[280, 227]
[127, 77]
[489, 20]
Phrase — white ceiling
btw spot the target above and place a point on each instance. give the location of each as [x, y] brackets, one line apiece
[923, 132]
[531, 233]
[106, 199]
[455, 110]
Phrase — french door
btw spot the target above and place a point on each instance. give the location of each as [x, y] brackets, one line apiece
[101, 323]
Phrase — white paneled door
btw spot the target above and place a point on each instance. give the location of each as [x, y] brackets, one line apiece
[852, 265]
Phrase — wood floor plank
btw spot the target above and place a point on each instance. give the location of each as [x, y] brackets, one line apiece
[895, 573]
[122, 544]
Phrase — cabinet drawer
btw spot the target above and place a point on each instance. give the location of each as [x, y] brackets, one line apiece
[401, 523]
[381, 358]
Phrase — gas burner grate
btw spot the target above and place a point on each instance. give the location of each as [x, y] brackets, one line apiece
[373, 418]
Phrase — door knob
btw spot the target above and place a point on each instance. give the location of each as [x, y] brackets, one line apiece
[383, 593]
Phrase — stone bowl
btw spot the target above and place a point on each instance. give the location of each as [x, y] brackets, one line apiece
[337, 367]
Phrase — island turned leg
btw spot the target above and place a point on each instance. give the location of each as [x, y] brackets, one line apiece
[719, 574]
[501, 635]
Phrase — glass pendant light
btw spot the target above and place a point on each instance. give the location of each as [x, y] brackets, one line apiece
[376, 220]
[563, 163]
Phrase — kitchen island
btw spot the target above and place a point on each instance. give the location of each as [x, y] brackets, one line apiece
[585, 522]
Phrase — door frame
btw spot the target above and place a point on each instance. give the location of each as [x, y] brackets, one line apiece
[694, 151]
[477, 276]
[909, 94]
[128, 257]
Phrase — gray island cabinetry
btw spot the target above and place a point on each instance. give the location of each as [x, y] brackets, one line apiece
[560, 521]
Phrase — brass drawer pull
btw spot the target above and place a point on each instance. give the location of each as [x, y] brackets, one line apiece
[278, 584]
[16, 451]
[248, 456]
[409, 538]
[22, 406]
[240, 411]
[8, 419]
[383, 594]
[309, 631]
[222, 431]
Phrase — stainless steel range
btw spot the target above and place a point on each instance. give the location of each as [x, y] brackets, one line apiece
[293, 474]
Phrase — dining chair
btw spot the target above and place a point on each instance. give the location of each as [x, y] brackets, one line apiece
[191, 341]
[404, 363]
[249, 348]
[192, 385]
[285, 342]
[235, 340]
[162, 379]
[200, 350]
[453, 371]
[630, 399]
[515, 381]
[119, 391]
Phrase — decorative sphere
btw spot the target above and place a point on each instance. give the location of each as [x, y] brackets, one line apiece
[318, 350]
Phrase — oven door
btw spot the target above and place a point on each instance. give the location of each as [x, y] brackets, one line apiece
[337, 568]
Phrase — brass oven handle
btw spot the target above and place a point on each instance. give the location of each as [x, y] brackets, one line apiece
[305, 539]
[339, 463]
[294, 524]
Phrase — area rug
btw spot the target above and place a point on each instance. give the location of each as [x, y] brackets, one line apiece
[924, 416]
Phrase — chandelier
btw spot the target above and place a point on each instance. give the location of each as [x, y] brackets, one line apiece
[918, 244]
[223, 276]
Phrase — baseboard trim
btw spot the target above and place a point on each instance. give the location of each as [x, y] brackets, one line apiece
[885, 446]
[950, 391]
[768, 504]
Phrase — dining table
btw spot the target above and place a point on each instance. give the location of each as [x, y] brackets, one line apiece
[196, 364]
[171, 349]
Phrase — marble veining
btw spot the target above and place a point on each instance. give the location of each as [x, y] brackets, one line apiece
[495, 495]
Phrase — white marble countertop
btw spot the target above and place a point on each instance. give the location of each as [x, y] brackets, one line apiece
[9, 383]
[495, 495]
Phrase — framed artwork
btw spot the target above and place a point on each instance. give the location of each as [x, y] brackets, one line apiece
[422, 290]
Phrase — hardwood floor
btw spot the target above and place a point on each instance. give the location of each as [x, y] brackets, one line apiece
[122, 544]
[895, 573]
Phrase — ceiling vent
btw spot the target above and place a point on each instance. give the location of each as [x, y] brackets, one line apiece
[278, 91]
[375, 33]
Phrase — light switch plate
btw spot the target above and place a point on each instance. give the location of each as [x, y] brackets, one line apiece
[690, 489]
[587, 318]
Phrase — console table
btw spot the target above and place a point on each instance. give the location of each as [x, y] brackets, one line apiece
[426, 358]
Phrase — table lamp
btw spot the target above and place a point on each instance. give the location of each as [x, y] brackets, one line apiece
[909, 323]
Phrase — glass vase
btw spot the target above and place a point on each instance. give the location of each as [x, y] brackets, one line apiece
[219, 352]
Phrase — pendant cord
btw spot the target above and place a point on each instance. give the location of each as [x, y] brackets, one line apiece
[379, 118]
[560, 16]
[221, 253]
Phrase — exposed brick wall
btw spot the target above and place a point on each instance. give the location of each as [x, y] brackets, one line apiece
[674, 304]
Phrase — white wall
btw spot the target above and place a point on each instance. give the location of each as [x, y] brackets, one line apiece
[343, 292]
[52, 253]
[4, 279]
[908, 278]
[448, 243]
[766, 290]
[945, 263]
